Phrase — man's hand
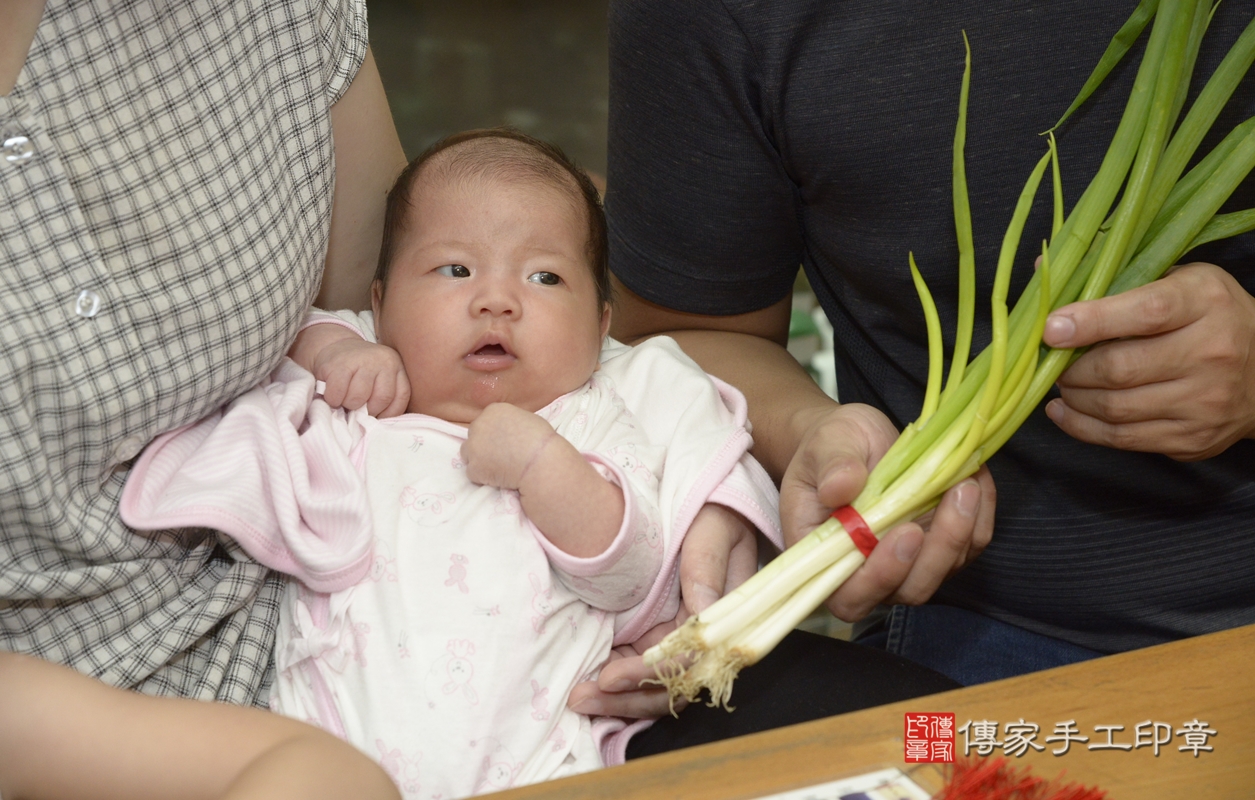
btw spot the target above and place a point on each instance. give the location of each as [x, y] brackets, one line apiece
[1172, 370]
[503, 443]
[719, 553]
[358, 373]
[840, 447]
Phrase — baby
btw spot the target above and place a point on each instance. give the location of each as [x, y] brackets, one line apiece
[523, 520]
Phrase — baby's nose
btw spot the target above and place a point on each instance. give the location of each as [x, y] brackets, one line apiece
[498, 300]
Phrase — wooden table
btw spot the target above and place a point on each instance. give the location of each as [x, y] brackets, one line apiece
[1210, 678]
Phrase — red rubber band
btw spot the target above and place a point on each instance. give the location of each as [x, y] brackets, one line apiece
[856, 526]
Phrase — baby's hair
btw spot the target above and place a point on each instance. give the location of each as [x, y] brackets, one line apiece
[514, 154]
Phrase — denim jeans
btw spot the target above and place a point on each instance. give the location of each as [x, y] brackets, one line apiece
[966, 646]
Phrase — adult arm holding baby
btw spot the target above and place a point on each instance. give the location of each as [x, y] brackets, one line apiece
[65, 736]
[180, 309]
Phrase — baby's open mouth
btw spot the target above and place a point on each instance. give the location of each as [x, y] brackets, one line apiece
[491, 350]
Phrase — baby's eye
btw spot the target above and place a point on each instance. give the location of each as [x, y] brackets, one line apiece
[546, 278]
[454, 271]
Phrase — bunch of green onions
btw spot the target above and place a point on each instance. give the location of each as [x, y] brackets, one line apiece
[1102, 247]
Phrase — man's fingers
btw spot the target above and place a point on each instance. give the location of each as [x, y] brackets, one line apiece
[624, 672]
[618, 692]
[1170, 437]
[707, 552]
[983, 531]
[800, 510]
[742, 562]
[846, 450]
[1147, 310]
[883, 572]
[1130, 362]
[1086, 428]
[831, 466]
[946, 543]
[587, 698]
[908, 565]
[842, 481]
[1124, 406]
[814, 485]
[652, 636]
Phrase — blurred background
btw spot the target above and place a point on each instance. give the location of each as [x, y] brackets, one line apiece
[539, 66]
[536, 65]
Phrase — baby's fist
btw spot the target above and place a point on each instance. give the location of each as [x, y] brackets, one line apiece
[502, 443]
[358, 373]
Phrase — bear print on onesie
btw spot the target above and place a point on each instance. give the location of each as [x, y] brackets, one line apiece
[462, 644]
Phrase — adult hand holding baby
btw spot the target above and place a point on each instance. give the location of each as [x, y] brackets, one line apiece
[720, 552]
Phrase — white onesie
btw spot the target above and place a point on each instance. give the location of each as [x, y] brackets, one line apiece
[462, 644]
[429, 623]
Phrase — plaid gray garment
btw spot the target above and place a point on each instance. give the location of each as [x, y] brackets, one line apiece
[167, 176]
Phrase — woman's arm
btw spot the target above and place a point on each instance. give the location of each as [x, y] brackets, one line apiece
[368, 158]
[65, 736]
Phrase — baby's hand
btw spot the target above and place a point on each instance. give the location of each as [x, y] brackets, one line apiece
[358, 373]
[502, 444]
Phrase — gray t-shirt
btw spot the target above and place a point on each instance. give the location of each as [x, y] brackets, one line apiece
[747, 138]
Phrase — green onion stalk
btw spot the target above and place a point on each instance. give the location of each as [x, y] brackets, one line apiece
[1141, 212]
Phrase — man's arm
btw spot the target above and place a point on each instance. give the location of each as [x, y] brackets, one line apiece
[819, 451]
[368, 158]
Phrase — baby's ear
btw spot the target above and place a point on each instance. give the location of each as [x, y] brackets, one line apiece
[376, 298]
[605, 320]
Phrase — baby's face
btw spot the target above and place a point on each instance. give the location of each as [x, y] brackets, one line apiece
[490, 297]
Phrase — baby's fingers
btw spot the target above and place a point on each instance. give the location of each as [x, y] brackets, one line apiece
[401, 397]
[335, 387]
[360, 389]
[385, 386]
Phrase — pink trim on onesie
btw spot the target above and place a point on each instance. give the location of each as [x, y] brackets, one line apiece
[319, 606]
[703, 487]
[614, 733]
[329, 319]
[598, 564]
